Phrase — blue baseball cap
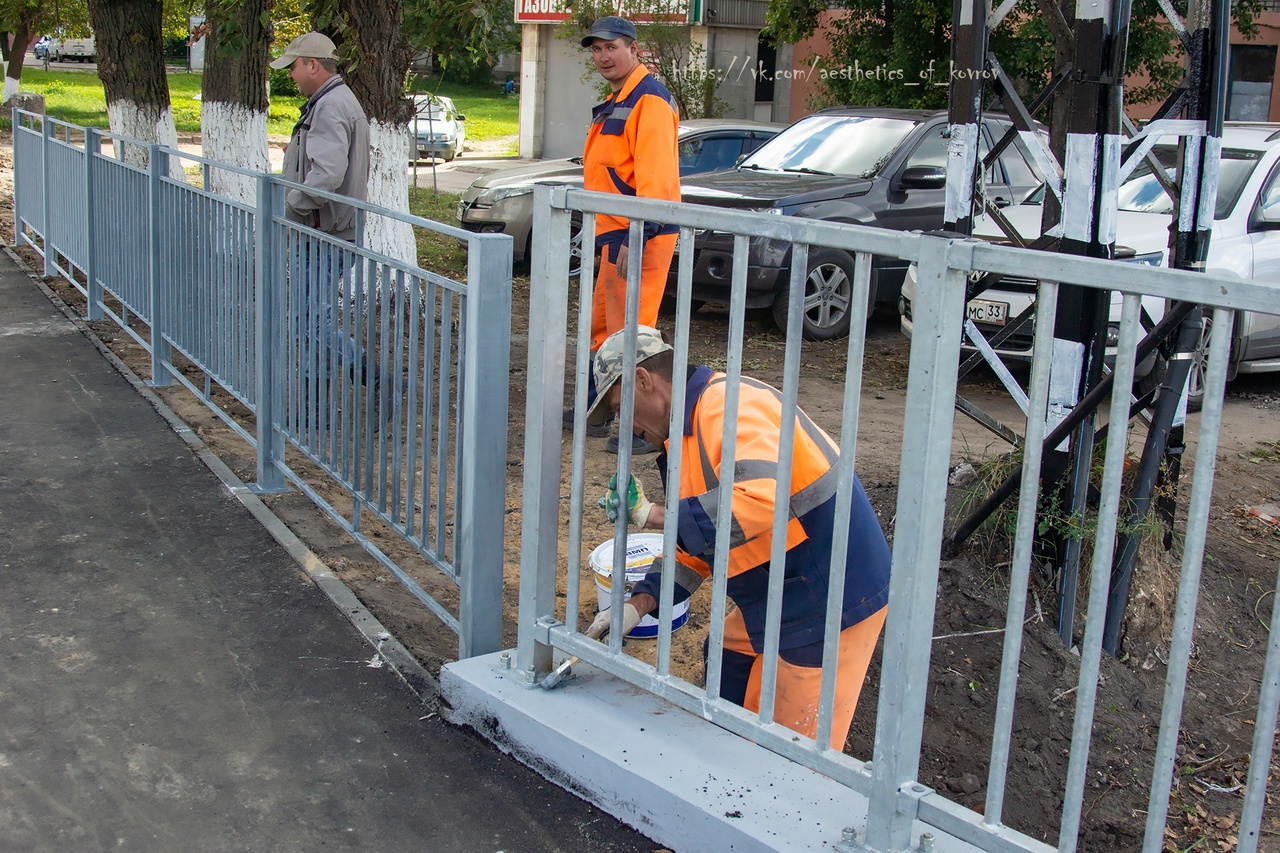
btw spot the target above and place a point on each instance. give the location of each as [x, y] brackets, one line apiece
[609, 29]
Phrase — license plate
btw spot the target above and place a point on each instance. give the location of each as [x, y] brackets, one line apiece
[990, 313]
[462, 208]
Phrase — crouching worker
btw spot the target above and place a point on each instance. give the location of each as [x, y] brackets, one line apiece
[810, 531]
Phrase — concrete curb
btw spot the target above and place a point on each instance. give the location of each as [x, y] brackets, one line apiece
[387, 647]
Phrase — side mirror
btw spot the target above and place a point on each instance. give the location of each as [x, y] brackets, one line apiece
[461, 117]
[923, 178]
[1270, 215]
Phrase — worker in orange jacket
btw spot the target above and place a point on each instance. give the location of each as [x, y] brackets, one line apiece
[631, 150]
[810, 533]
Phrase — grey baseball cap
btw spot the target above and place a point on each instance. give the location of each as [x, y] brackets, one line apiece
[610, 28]
[608, 365]
[308, 45]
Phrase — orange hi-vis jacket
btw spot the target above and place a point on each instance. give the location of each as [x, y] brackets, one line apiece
[631, 150]
[810, 527]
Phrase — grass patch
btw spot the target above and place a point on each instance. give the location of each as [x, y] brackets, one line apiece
[437, 252]
[77, 97]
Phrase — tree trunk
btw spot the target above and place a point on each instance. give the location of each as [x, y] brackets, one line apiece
[376, 58]
[233, 105]
[17, 52]
[131, 65]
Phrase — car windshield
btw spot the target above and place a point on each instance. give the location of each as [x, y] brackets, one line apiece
[848, 146]
[1142, 192]
[434, 111]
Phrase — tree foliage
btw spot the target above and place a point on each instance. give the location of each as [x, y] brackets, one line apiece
[897, 52]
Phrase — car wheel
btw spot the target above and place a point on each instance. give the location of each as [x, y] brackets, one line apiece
[575, 248]
[448, 158]
[1199, 365]
[828, 294]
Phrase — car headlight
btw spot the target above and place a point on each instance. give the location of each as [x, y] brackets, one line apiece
[777, 211]
[1152, 259]
[497, 194]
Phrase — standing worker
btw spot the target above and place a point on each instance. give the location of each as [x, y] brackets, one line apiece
[631, 150]
[328, 150]
[810, 529]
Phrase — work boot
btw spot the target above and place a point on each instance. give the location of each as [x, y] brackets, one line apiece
[639, 446]
[593, 431]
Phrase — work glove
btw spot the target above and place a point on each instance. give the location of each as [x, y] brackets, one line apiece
[638, 506]
[630, 619]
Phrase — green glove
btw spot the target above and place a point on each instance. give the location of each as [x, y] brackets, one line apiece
[638, 506]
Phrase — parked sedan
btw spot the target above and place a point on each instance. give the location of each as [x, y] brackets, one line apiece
[1244, 240]
[41, 47]
[502, 202]
[867, 166]
[438, 127]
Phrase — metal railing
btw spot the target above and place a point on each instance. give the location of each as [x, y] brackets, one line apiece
[372, 370]
[889, 779]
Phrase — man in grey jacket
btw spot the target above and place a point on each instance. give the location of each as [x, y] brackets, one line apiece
[329, 149]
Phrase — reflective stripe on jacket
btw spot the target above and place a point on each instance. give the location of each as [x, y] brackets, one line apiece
[810, 528]
[631, 150]
[329, 150]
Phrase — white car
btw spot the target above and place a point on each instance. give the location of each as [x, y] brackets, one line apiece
[1245, 240]
[438, 129]
[81, 50]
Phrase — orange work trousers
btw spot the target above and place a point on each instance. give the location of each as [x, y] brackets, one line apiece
[609, 300]
[798, 690]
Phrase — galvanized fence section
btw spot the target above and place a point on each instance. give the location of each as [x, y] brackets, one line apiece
[28, 182]
[889, 779]
[373, 371]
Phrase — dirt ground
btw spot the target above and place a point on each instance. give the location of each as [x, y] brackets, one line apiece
[1230, 640]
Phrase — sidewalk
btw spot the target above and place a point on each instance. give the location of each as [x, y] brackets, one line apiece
[174, 680]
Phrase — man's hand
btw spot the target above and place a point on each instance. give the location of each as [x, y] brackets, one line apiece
[630, 619]
[621, 267]
[638, 506]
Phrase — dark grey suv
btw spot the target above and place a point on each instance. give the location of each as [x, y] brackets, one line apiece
[869, 166]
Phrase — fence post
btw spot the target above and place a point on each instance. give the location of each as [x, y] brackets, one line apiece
[917, 542]
[483, 444]
[15, 119]
[45, 135]
[92, 147]
[543, 424]
[160, 355]
[270, 475]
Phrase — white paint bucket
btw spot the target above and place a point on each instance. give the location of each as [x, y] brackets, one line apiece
[642, 550]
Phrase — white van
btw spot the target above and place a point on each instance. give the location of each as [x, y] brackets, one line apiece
[82, 50]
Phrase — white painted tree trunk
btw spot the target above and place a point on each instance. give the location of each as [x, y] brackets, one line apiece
[389, 187]
[237, 135]
[10, 89]
[146, 124]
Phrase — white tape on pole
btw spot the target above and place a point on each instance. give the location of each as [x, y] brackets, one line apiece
[1080, 186]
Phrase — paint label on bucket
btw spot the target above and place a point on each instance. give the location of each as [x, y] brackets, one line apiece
[642, 550]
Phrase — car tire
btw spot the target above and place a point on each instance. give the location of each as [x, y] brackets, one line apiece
[1199, 364]
[827, 296]
[575, 247]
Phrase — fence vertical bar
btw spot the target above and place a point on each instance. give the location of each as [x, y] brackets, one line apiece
[45, 136]
[15, 118]
[270, 476]
[483, 444]
[159, 162]
[93, 287]
[917, 542]
[548, 331]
